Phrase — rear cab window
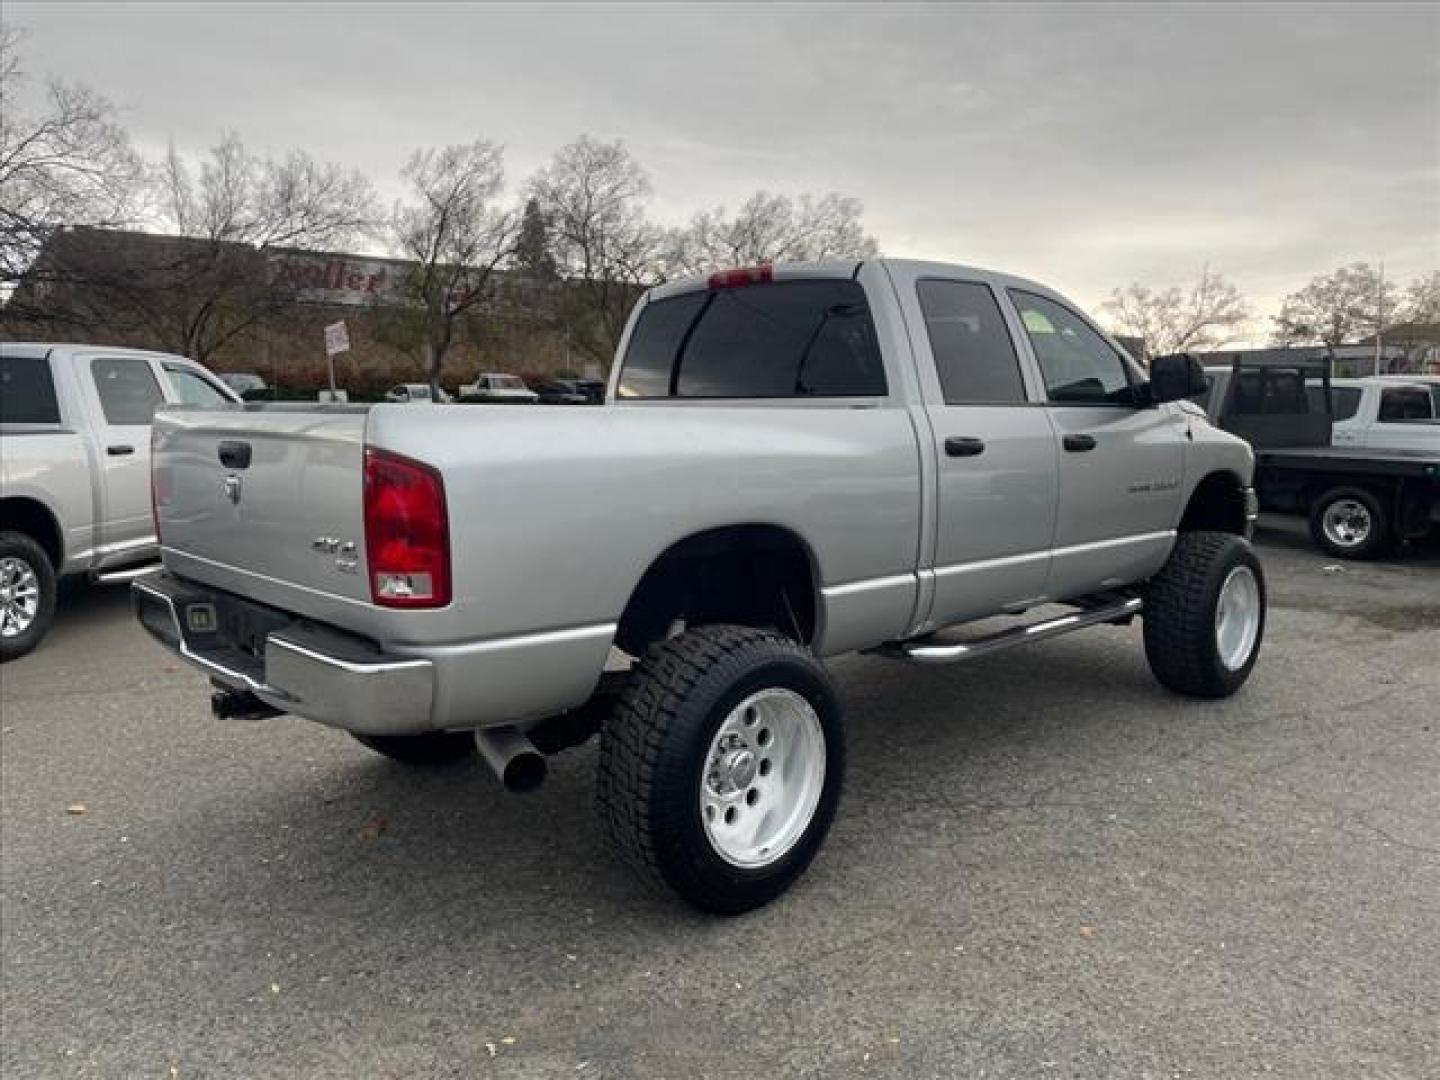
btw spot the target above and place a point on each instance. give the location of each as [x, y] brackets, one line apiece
[27, 391]
[807, 338]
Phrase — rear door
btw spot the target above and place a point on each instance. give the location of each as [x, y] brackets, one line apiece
[123, 392]
[994, 451]
[1121, 467]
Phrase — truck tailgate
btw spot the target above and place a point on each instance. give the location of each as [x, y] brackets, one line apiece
[266, 498]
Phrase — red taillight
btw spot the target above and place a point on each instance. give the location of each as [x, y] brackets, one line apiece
[407, 532]
[750, 275]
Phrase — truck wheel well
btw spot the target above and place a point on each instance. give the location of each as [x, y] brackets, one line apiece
[32, 518]
[748, 575]
[1216, 505]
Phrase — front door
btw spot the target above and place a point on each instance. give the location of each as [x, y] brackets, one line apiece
[1121, 467]
[995, 456]
[126, 394]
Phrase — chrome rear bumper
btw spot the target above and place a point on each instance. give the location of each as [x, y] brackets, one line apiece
[310, 671]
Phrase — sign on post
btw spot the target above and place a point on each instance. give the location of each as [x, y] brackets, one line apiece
[337, 340]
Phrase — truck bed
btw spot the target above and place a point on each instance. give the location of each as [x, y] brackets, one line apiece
[1357, 459]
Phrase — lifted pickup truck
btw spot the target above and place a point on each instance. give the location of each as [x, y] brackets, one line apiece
[793, 463]
[75, 469]
[1361, 500]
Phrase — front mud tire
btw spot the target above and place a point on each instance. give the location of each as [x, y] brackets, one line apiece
[1205, 615]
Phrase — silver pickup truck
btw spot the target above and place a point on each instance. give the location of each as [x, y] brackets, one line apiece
[792, 463]
[75, 469]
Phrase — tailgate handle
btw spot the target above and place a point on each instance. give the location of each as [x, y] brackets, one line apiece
[235, 455]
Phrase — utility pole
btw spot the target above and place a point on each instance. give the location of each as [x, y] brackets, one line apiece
[1379, 316]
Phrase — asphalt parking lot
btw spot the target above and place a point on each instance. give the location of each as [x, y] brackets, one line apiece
[1044, 866]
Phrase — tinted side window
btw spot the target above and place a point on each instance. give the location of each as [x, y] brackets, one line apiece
[27, 391]
[128, 391]
[974, 355]
[654, 344]
[1397, 406]
[1345, 400]
[1275, 393]
[1079, 365]
[194, 389]
[782, 339]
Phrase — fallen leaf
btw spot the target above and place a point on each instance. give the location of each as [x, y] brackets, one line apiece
[1089, 931]
[274, 988]
[76, 808]
[508, 1040]
[492, 1048]
[372, 829]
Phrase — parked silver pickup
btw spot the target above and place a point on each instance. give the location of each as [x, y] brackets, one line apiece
[75, 469]
[792, 463]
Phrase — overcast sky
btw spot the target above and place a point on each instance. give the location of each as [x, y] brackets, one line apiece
[1086, 146]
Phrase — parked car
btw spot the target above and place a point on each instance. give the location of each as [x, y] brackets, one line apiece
[417, 393]
[1360, 500]
[793, 463]
[499, 388]
[243, 382]
[565, 392]
[75, 469]
[1382, 412]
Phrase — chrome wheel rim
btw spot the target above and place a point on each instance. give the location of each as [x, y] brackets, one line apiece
[19, 596]
[1347, 523]
[762, 778]
[1237, 618]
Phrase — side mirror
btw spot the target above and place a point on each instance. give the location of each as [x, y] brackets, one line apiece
[1175, 377]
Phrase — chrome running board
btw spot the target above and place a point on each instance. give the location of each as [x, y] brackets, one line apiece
[130, 573]
[929, 651]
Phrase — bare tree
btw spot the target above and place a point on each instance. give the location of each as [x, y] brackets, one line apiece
[593, 197]
[457, 236]
[1336, 308]
[1422, 300]
[210, 278]
[69, 163]
[1206, 314]
[771, 228]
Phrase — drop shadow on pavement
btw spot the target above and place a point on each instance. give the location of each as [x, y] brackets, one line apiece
[381, 848]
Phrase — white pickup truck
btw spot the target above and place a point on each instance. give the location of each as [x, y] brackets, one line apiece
[792, 463]
[75, 469]
[1385, 412]
[498, 388]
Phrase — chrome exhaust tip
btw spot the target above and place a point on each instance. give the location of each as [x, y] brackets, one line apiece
[512, 757]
